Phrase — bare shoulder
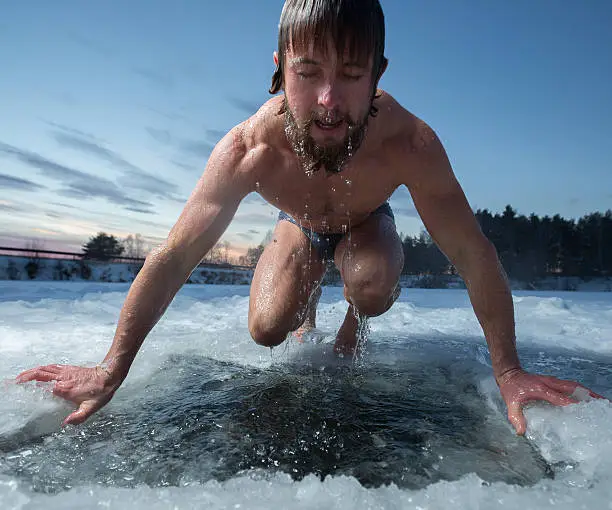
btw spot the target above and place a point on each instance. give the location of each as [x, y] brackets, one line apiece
[249, 147]
[258, 138]
[418, 153]
[404, 128]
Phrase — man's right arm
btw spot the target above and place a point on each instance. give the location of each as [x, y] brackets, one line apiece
[209, 210]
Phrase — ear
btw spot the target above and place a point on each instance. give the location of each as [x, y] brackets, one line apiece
[275, 57]
[383, 68]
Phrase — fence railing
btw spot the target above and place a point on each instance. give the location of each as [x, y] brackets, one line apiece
[53, 254]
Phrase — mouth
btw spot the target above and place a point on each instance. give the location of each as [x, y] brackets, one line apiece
[328, 126]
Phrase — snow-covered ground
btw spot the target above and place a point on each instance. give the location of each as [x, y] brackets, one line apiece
[16, 268]
[208, 419]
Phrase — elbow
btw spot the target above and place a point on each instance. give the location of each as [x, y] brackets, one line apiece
[476, 257]
[164, 257]
[488, 252]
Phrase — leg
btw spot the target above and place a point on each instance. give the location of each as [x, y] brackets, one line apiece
[310, 322]
[370, 261]
[287, 272]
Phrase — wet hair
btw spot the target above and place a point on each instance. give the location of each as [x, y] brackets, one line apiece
[360, 24]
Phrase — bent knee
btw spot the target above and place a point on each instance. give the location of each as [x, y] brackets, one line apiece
[264, 335]
[372, 299]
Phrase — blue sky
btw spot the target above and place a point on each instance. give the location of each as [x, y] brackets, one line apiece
[109, 110]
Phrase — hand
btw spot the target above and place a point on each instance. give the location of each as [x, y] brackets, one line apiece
[519, 387]
[88, 388]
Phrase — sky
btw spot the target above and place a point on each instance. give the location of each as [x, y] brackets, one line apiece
[109, 110]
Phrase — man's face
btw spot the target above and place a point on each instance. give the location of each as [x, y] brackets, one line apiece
[327, 99]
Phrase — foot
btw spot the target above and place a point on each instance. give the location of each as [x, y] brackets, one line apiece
[302, 332]
[346, 339]
[309, 323]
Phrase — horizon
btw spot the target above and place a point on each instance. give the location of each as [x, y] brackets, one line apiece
[113, 117]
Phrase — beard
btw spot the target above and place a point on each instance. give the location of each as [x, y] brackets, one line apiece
[313, 155]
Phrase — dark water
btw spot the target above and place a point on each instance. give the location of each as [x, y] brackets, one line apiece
[408, 413]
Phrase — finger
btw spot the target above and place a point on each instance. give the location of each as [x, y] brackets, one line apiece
[561, 385]
[569, 387]
[52, 368]
[25, 375]
[517, 418]
[557, 399]
[85, 410]
[596, 395]
[36, 375]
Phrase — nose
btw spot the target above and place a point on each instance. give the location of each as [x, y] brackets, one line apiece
[329, 95]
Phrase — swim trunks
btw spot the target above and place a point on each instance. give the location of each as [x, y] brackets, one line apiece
[325, 244]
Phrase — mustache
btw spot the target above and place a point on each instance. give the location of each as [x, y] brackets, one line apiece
[330, 117]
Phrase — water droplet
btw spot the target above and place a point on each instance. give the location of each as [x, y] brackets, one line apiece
[349, 182]
[257, 185]
[333, 189]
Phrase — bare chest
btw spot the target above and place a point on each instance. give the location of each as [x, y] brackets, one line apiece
[330, 202]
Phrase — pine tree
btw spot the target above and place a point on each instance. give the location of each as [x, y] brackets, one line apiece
[102, 247]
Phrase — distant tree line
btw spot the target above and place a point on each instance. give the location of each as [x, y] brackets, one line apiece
[529, 247]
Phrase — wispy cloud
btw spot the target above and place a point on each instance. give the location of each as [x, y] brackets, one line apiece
[86, 190]
[72, 130]
[402, 204]
[60, 204]
[198, 148]
[162, 136]
[254, 198]
[10, 208]
[139, 210]
[82, 144]
[172, 116]
[215, 134]
[76, 184]
[155, 77]
[141, 180]
[409, 212]
[10, 182]
[186, 166]
[91, 45]
[133, 177]
[244, 105]
[265, 220]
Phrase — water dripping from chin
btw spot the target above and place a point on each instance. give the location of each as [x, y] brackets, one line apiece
[312, 155]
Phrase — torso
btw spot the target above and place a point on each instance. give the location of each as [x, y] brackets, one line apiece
[331, 203]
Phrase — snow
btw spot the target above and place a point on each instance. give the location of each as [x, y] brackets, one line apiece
[73, 322]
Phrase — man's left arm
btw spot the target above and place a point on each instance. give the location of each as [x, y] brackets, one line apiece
[446, 214]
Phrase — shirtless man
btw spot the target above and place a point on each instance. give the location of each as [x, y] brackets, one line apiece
[329, 152]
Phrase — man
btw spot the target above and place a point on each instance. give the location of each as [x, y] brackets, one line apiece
[328, 153]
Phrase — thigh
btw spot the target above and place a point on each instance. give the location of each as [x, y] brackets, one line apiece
[287, 272]
[371, 254]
